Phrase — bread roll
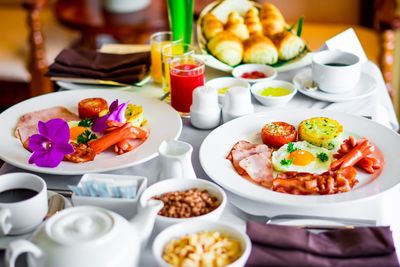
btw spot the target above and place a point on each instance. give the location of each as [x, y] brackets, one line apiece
[235, 25]
[252, 21]
[289, 45]
[271, 19]
[259, 49]
[211, 26]
[227, 47]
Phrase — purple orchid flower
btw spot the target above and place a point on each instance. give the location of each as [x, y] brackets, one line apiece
[116, 113]
[51, 144]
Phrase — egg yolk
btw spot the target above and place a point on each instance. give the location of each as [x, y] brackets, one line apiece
[301, 157]
[74, 132]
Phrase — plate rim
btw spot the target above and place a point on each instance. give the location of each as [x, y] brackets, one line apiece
[294, 200]
[83, 93]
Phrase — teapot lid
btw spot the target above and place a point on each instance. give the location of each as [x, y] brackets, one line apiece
[79, 225]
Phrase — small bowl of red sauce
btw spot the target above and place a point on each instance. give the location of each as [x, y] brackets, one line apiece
[253, 73]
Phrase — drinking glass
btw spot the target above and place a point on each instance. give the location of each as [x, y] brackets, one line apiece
[180, 13]
[186, 74]
[169, 52]
[157, 42]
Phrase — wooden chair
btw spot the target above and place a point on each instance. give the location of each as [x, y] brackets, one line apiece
[24, 59]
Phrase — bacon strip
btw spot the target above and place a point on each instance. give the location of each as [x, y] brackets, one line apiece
[330, 182]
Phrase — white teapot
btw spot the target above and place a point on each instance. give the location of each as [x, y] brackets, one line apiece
[87, 236]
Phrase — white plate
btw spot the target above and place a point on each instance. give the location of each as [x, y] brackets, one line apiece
[219, 142]
[365, 87]
[5, 240]
[164, 123]
[79, 86]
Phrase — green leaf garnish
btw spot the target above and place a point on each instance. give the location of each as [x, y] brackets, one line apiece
[287, 162]
[300, 26]
[85, 123]
[291, 148]
[85, 137]
[322, 156]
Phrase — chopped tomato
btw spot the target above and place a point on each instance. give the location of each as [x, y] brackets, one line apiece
[91, 107]
[276, 134]
[254, 75]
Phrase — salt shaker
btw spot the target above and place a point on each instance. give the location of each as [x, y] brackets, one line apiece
[205, 112]
[237, 103]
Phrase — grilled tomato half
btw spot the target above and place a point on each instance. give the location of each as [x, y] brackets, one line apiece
[91, 107]
[276, 134]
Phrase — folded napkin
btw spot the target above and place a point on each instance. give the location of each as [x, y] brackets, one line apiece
[278, 245]
[127, 68]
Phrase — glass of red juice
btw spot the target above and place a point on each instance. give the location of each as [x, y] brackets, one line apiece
[186, 74]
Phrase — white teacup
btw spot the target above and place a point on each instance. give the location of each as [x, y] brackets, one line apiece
[28, 195]
[336, 72]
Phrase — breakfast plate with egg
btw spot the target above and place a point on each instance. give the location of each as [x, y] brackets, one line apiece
[302, 157]
[163, 123]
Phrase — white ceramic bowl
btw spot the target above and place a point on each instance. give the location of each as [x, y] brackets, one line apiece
[223, 82]
[123, 206]
[178, 230]
[181, 184]
[270, 72]
[273, 100]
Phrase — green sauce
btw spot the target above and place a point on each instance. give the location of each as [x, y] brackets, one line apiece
[275, 91]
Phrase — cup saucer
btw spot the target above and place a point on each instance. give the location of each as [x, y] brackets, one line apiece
[365, 87]
[5, 240]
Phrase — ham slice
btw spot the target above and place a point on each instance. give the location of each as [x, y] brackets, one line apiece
[240, 154]
[27, 124]
[253, 162]
[259, 168]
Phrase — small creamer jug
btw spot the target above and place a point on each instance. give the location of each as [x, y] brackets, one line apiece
[175, 160]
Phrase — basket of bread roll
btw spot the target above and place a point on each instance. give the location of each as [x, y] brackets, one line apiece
[241, 31]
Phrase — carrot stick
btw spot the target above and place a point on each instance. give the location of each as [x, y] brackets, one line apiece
[127, 131]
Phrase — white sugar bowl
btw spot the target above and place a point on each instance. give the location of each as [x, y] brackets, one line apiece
[205, 112]
[87, 236]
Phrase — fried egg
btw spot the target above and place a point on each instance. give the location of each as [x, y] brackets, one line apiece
[301, 157]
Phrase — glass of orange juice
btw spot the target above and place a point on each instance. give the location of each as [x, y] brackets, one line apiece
[157, 42]
[170, 52]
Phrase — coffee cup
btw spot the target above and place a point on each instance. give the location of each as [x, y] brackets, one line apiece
[23, 203]
[336, 71]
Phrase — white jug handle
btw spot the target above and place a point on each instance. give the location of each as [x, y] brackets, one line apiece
[18, 247]
[5, 224]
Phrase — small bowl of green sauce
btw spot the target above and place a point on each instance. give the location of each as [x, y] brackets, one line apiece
[223, 84]
[274, 92]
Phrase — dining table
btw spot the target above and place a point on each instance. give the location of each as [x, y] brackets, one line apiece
[377, 107]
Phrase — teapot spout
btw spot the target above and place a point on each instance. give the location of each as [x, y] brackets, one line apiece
[143, 222]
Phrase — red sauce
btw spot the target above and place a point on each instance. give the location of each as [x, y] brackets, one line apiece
[183, 83]
[253, 75]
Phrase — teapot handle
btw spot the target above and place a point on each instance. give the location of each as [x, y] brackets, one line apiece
[5, 224]
[18, 247]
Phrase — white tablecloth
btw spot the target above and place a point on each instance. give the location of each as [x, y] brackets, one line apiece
[378, 106]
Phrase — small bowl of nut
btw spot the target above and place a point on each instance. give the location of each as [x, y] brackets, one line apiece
[185, 200]
[202, 243]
